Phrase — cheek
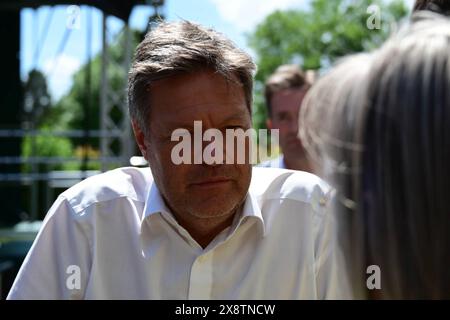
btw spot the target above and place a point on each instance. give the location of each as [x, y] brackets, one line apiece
[160, 162]
[159, 153]
[283, 129]
[245, 174]
[280, 125]
[170, 178]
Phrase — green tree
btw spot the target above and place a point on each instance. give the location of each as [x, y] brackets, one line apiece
[316, 37]
[69, 112]
[36, 96]
[46, 146]
[37, 106]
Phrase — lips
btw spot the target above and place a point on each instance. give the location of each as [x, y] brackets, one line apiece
[211, 182]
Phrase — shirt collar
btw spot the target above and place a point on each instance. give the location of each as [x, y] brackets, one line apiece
[155, 204]
[252, 210]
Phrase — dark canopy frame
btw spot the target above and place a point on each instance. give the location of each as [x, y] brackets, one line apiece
[118, 8]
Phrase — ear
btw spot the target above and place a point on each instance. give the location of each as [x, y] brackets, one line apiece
[140, 138]
[269, 123]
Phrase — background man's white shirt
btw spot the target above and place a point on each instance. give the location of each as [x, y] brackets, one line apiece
[116, 229]
[277, 162]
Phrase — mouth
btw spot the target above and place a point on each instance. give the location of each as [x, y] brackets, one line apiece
[212, 182]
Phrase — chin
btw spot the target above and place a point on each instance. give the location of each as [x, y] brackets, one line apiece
[215, 207]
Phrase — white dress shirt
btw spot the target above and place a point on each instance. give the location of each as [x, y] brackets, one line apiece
[277, 162]
[112, 237]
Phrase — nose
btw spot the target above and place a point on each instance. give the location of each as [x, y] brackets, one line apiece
[211, 153]
[214, 163]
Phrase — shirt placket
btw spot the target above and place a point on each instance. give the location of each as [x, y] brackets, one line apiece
[201, 278]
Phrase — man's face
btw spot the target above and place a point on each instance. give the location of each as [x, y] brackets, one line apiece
[285, 111]
[196, 190]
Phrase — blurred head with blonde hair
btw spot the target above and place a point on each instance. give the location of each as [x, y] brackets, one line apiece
[383, 140]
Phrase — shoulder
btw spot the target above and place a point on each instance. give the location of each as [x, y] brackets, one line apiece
[126, 182]
[273, 183]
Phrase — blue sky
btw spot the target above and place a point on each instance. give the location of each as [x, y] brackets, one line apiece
[234, 18]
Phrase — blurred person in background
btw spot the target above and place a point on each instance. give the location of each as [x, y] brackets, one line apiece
[384, 144]
[284, 92]
[329, 121]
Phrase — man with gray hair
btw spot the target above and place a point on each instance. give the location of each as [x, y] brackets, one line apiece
[187, 231]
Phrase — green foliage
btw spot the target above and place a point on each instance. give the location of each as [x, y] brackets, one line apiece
[69, 114]
[37, 109]
[316, 38]
[46, 146]
[37, 98]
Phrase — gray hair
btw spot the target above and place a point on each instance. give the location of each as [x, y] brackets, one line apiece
[406, 172]
[183, 47]
[390, 136]
[330, 120]
[333, 96]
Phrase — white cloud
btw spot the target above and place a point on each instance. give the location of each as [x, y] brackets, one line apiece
[246, 14]
[59, 73]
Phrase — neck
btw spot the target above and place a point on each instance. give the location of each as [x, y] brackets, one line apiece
[204, 230]
[298, 163]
